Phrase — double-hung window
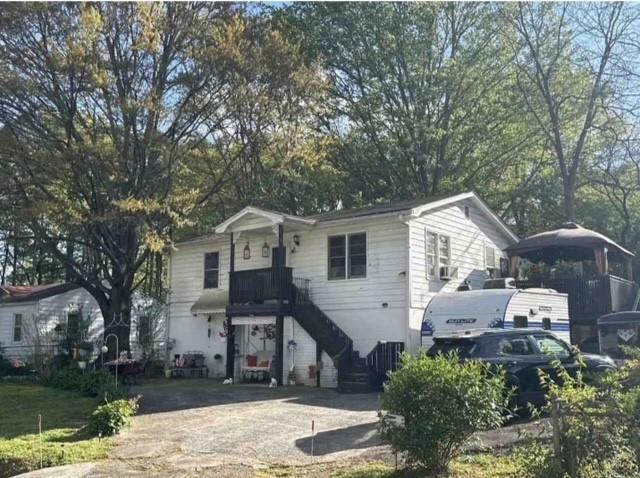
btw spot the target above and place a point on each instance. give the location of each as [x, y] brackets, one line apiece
[211, 270]
[347, 256]
[17, 328]
[490, 257]
[438, 253]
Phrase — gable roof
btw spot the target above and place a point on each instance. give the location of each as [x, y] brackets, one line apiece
[409, 208]
[31, 293]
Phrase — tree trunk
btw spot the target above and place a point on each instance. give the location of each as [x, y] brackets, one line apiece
[569, 199]
[116, 313]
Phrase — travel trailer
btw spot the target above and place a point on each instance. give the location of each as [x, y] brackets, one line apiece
[496, 308]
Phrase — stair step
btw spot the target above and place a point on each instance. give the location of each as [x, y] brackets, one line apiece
[354, 387]
[357, 375]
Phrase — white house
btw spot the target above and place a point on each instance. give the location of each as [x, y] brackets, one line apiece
[315, 295]
[29, 316]
[23, 308]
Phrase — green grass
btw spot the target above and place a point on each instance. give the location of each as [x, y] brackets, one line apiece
[64, 440]
[468, 466]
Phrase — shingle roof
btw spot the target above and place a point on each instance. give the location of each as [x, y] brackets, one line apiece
[373, 210]
[30, 293]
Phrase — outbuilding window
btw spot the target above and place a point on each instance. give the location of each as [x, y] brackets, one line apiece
[211, 270]
[347, 256]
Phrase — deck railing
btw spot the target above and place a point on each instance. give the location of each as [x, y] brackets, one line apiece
[590, 297]
[260, 285]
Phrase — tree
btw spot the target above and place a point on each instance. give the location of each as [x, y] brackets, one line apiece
[106, 108]
[419, 94]
[568, 61]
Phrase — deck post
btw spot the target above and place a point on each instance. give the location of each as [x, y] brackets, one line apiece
[231, 349]
[280, 318]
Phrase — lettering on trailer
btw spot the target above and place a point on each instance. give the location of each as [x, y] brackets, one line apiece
[461, 321]
[545, 308]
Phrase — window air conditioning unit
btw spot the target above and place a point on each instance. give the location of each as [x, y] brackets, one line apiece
[446, 272]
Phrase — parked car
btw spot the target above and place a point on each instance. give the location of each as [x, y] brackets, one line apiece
[522, 353]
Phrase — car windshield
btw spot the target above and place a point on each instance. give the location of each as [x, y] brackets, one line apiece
[552, 346]
[463, 348]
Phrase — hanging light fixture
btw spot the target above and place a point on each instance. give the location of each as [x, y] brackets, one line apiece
[265, 250]
[246, 252]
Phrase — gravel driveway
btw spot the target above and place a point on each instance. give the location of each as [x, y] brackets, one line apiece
[198, 427]
[188, 422]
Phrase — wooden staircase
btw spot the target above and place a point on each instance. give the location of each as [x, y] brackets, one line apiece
[355, 374]
[352, 370]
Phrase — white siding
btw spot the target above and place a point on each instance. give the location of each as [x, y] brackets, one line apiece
[356, 305]
[468, 237]
[49, 312]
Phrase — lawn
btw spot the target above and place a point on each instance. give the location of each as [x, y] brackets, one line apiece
[63, 439]
[468, 466]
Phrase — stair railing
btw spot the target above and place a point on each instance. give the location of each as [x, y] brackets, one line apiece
[385, 357]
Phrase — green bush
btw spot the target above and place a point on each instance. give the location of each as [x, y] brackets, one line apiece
[110, 418]
[443, 402]
[89, 383]
[598, 429]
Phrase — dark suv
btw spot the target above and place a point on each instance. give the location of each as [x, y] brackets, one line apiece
[522, 353]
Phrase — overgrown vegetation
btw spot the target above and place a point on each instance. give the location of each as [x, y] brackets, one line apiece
[65, 438]
[443, 402]
[599, 428]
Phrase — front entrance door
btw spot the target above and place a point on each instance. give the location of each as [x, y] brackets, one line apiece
[275, 256]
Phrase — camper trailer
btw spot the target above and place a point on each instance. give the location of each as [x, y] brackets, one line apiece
[496, 308]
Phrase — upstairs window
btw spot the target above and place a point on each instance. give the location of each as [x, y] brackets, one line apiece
[347, 256]
[490, 257]
[438, 253]
[211, 270]
[17, 328]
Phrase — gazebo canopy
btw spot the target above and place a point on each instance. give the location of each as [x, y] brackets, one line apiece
[569, 237]
[571, 242]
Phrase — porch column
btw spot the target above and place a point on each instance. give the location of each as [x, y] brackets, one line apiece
[231, 335]
[280, 318]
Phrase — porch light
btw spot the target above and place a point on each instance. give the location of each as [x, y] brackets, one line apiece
[246, 252]
[265, 250]
[296, 240]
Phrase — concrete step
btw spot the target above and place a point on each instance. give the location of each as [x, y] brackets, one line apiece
[353, 387]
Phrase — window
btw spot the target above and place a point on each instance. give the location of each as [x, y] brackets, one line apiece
[467, 212]
[432, 240]
[546, 323]
[211, 270]
[515, 346]
[347, 256]
[17, 328]
[357, 256]
[552, 346]
[520, 322]
[438, 253]
[489, 257]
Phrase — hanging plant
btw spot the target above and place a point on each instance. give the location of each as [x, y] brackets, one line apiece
[270, 332]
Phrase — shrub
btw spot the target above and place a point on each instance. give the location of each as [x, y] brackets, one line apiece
[598, 429]
[443, 402]
[89, 383]
[110, 418]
